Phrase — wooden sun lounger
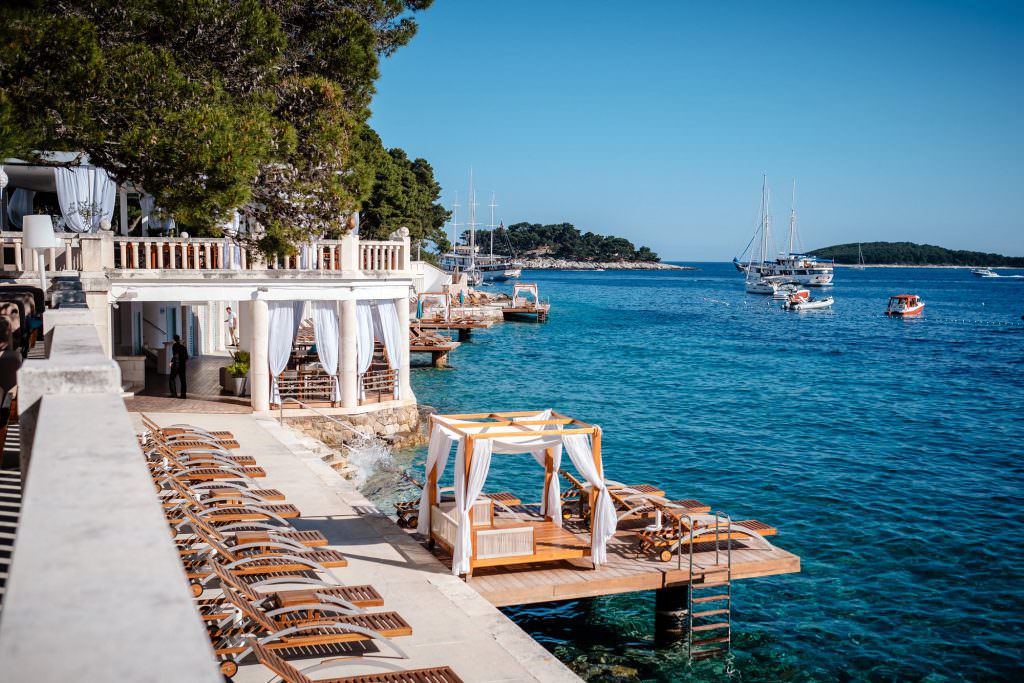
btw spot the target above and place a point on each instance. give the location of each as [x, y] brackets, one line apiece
[295, 632]
[289, 674]
[240, 534]
[193, 444]
[356, 597]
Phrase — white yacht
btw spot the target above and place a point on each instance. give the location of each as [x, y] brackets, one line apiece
[803, 268]
[467, 258]
[984, 272]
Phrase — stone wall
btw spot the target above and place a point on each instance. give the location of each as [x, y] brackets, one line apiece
[398, 427]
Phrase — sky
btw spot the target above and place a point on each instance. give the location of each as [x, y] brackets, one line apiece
[898, 120]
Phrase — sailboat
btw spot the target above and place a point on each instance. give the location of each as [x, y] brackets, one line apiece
[756, 282]
[495, 267]
[802, 268]
[462, 259]
[860, 259]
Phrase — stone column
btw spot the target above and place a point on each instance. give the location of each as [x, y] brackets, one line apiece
[244, 325]
[404, 386]
[259, 364]
[101, 311]
[348, 358]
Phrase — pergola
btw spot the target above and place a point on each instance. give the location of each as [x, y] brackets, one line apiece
[544, 435]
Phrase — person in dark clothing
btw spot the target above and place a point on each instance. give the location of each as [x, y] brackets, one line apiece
[179, 358]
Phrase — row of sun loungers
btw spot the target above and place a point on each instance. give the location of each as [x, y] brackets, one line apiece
[264, 589]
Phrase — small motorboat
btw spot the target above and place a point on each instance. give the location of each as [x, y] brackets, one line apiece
[904, 305]
[784, 291]
[802, 301]
[984, 272]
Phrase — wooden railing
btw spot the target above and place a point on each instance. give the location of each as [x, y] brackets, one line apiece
[379, 385]
[66, 256]
[316, 388]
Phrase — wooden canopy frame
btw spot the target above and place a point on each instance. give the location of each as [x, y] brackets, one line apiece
[558, 425]
[525, 288]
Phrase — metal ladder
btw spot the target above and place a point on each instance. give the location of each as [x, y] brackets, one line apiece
[710, 629]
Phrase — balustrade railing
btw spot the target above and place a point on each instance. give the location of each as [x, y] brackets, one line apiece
[14, 257]
[381, 256]
[378, 385]
[206, 253]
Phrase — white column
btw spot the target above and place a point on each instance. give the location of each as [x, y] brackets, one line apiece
[259, 363]
[244, 331]
[404, 386]
[122, 195]
[348, 359]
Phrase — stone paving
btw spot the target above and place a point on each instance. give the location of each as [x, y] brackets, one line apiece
[452, 624]
[204, 392]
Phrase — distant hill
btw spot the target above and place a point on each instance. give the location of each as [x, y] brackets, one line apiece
[911, 254]
[563, 241]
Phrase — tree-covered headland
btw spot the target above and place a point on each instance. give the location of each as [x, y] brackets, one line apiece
[911, 254]
[562, 241]
[217, 105]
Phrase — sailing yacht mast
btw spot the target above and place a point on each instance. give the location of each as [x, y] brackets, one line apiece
[792, 219]
[764, 230]
[472, 222]
[455, 220]
[492, 226]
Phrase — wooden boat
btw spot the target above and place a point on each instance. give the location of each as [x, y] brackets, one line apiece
[904, 305]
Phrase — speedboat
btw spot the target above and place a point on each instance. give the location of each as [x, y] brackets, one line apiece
[760, 285]
[904, 305]
[802, 301]
[984, 272]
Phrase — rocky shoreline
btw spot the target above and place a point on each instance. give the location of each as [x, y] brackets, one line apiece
[562, 264]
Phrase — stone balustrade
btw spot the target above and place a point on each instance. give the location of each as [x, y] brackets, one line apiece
[96, 252]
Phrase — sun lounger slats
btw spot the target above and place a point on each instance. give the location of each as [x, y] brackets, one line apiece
[360, 596]
[441, 674]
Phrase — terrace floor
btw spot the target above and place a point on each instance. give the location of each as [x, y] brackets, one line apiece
[452, 624]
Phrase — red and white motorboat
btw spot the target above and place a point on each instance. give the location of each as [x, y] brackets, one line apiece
[905, 305]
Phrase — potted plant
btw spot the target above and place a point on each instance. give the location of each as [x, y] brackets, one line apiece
[238, 371]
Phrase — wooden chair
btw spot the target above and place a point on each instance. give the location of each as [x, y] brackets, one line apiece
[289, 674]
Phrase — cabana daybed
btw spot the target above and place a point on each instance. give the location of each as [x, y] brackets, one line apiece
[469, 528]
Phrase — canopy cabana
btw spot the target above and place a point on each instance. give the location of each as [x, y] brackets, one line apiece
[423, 299]
[478, 436]
[522, 291]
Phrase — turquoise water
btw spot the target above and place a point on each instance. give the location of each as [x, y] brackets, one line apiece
[887, 452]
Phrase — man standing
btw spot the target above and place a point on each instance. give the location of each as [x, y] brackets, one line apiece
[232, 322]
[179, 358]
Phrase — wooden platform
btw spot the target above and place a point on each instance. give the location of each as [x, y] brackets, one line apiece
[625, 572]
[453, 324]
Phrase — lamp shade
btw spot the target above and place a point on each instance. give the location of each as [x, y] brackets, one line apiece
[38, 232]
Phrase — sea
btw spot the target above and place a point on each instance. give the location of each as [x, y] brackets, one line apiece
[889, 453]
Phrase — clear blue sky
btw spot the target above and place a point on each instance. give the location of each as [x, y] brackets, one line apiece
[899, 120]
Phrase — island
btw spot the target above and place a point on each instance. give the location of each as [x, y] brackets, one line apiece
[912, 254]
[562, 246]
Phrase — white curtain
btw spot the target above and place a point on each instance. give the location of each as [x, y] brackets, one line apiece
[387, 326]
[364, 339]
[553, 493]
[282, 336]
[603, 528]
[326, 333]
[466, 493]
[438, 452]
[147, 202]
[19, 205]
[84, 186]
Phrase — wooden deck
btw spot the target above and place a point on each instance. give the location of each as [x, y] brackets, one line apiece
[625, 572]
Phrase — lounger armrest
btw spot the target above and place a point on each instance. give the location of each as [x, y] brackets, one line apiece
[279, 580]
[262, 525]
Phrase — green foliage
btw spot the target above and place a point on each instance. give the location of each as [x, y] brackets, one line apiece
[909, 253]
[404, 194]
[565, 241]
[239, 366]
[209, 105]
